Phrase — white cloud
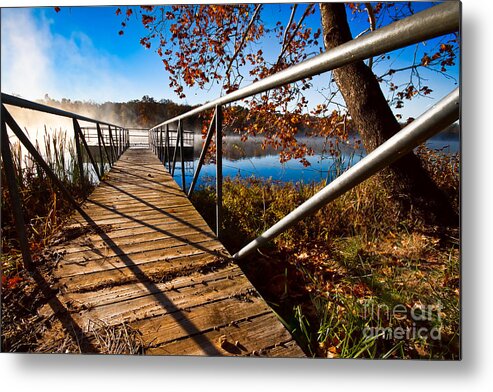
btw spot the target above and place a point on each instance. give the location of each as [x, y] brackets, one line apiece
[27, 70]
[36, 61]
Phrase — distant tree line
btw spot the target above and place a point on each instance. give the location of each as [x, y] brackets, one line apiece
[138, 113]
[147, 112]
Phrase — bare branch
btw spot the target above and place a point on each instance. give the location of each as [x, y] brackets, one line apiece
[285, 47]
[293, 11]
[238, 49]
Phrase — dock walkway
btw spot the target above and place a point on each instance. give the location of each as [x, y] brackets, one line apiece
[144, 256]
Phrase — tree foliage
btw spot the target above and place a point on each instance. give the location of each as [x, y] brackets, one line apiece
[202, 45]
[138, 113]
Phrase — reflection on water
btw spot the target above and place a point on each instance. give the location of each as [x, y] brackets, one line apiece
[247, 159]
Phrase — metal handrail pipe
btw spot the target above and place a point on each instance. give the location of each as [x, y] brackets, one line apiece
[428, 124]
[203, 152]
[24, 103]
[436, 21]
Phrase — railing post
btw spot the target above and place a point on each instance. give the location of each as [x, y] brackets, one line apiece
[182, 159]
[163, 146]
[104, 144]
[203, 153]
[84, 143]
[154, 150]
[157, 142]
[121, 141]
[154, 141]
[161, 149]
[79, 152]
[168, 156]
[98, 131]
[219, 171]
[176, 149]
[117, 142]
[15, 199]
[110, 146]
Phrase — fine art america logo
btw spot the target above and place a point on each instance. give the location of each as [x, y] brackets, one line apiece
[419, 321]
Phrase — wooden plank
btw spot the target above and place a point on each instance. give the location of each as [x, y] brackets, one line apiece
[122, 293]
[78, 233]
[156, 270]
[179, 215]
[140, 217]
[152, 222]
[286, 350]
[165, 329]
[109, 211]
[146, 257]
[133, 233]
[161, 247]
[127, 221]
[124, 202]
[166, 256]
[254, 336]
[154, 300]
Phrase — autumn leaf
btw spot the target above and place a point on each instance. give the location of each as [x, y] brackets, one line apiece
[57, 9]
[12, 282]
[198, 43]
[425, 60]
[426, 90]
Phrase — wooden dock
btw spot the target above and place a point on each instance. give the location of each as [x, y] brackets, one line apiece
[143, 256]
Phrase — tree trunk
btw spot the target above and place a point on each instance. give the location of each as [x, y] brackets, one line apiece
[409, 184]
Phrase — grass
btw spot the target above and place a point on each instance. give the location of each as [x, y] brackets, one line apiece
[45, 210]
[354, 280]
[44, 206]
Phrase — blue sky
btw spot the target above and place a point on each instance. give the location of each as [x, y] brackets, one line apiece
[78, 54]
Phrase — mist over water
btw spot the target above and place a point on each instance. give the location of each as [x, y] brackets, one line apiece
[240, 159]
[248, 159]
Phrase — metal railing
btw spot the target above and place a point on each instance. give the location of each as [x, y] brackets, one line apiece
[112, 139]
[137, 137]
[436, 21]
[168, 144]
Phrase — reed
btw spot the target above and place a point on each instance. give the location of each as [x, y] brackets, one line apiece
[44, 206]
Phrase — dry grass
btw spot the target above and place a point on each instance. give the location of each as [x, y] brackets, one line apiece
[45, 212]
[100, 338]
[321, 274]
[115, 339]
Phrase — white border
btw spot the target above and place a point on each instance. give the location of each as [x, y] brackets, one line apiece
[87, 373]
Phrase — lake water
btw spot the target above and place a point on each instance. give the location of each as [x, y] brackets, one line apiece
[247, 159]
